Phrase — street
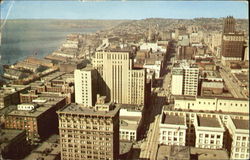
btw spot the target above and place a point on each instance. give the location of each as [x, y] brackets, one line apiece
[233, 87]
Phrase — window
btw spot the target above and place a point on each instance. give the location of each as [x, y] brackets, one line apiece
[236, 155]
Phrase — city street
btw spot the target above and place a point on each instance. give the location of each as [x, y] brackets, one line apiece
[150, 145]
[233, 87]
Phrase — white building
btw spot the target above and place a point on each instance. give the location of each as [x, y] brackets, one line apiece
[238, 138]
[177, 81]
[156, 66]
[209, 132]
[130, 124]
[185, 79]
[118, 80]
[85, 86]
[172, 129]
[154, 46]
[236, 105]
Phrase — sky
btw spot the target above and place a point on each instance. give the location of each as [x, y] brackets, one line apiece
[122, 9]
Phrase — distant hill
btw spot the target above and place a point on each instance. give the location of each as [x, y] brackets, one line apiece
[208, 24]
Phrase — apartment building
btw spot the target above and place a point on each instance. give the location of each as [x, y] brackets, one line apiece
[117, 78]
[89, 132]
[173, 129]
[238, 138]
[85, 86]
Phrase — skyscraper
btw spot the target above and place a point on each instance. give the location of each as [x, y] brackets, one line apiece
[229, 25]
[89, 132]
[232, 42]
[117, 78]
[85, 86]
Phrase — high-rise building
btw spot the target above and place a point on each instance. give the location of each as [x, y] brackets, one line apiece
[85, 86]
[89, 132]
[229, 25]
[185, 79]
[232, 42]
[117, 78]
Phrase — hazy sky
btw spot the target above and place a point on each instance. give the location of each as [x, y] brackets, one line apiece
[122, 9]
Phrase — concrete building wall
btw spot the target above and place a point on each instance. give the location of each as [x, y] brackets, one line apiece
[85, 82]
[238, 140]
[118, 81]
[177, 84]
[213, 104]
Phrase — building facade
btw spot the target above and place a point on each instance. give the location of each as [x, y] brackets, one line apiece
[40, 122]
[238, 138]
[85, 86]
[117, 78]
[185, 79]
[209, 132]
[235, 105]
[173, 129]
[89, 133]
[232, 42]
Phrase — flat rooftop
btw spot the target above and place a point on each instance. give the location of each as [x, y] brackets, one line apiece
[125, 147]
[9, 89]
[195, 153]
[208, 122]
[241, 124]
[81, 109]
[131, 118]
[208, 154]
[49, 149]
[42, 107]
[52, 76]
[35, 113]
[178, 152]
[131, 107]
[177, 120]
[6, 135]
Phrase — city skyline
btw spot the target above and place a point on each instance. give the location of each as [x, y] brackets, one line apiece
[137, 10]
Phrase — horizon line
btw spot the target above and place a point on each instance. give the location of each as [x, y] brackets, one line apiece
[120, 19]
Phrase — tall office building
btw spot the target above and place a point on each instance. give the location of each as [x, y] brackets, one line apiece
[232, 42]
[185, 78]
[117, 78]
[229, 25]
[89, 132]
[85, 86]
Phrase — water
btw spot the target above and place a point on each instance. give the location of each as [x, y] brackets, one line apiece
[22, 38]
